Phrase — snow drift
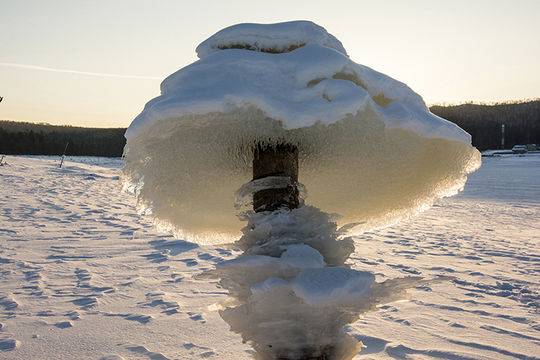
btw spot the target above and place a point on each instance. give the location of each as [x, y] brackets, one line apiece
[370, 150]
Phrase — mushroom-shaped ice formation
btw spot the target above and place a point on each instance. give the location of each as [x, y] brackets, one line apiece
[368, 147]
[265, 109]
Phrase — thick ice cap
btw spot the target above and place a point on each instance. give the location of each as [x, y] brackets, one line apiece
[273, 38]
[369, 148]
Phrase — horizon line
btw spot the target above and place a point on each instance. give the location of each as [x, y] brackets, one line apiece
[494, 103]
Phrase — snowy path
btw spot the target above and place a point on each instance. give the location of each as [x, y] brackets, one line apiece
[83, 276]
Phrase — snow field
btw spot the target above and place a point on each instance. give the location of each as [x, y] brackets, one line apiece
[84, 276]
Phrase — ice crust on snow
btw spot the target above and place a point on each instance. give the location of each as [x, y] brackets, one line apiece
[363, 137]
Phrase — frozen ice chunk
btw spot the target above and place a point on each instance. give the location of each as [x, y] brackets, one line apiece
[268, 285]
[333, 286]
[302, 256]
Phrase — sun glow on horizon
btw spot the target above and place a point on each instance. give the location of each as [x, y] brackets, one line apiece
[97, 64]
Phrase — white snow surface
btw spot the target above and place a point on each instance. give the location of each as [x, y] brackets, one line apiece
[83, 276]
[280, 37]
[315, 83]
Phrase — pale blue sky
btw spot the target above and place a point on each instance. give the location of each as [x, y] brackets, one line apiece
[447, 51]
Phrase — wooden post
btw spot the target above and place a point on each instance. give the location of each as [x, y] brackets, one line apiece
[282, 160]
[63, 155]
[276, 160]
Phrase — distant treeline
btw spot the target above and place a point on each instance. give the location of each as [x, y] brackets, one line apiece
[483, 122]
[44, 139]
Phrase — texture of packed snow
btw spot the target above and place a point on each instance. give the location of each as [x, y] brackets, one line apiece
[73, 249]
[363, 138]
[279, 38]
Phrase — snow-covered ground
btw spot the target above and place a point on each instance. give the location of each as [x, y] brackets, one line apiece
[83, 276]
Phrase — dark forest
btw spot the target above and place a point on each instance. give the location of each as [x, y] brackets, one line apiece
[483, 122]
[18, 138]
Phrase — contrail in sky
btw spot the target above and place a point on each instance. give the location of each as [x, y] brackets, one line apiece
[76, 72]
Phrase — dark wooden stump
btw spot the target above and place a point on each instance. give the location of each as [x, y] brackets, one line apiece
[276, 160]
